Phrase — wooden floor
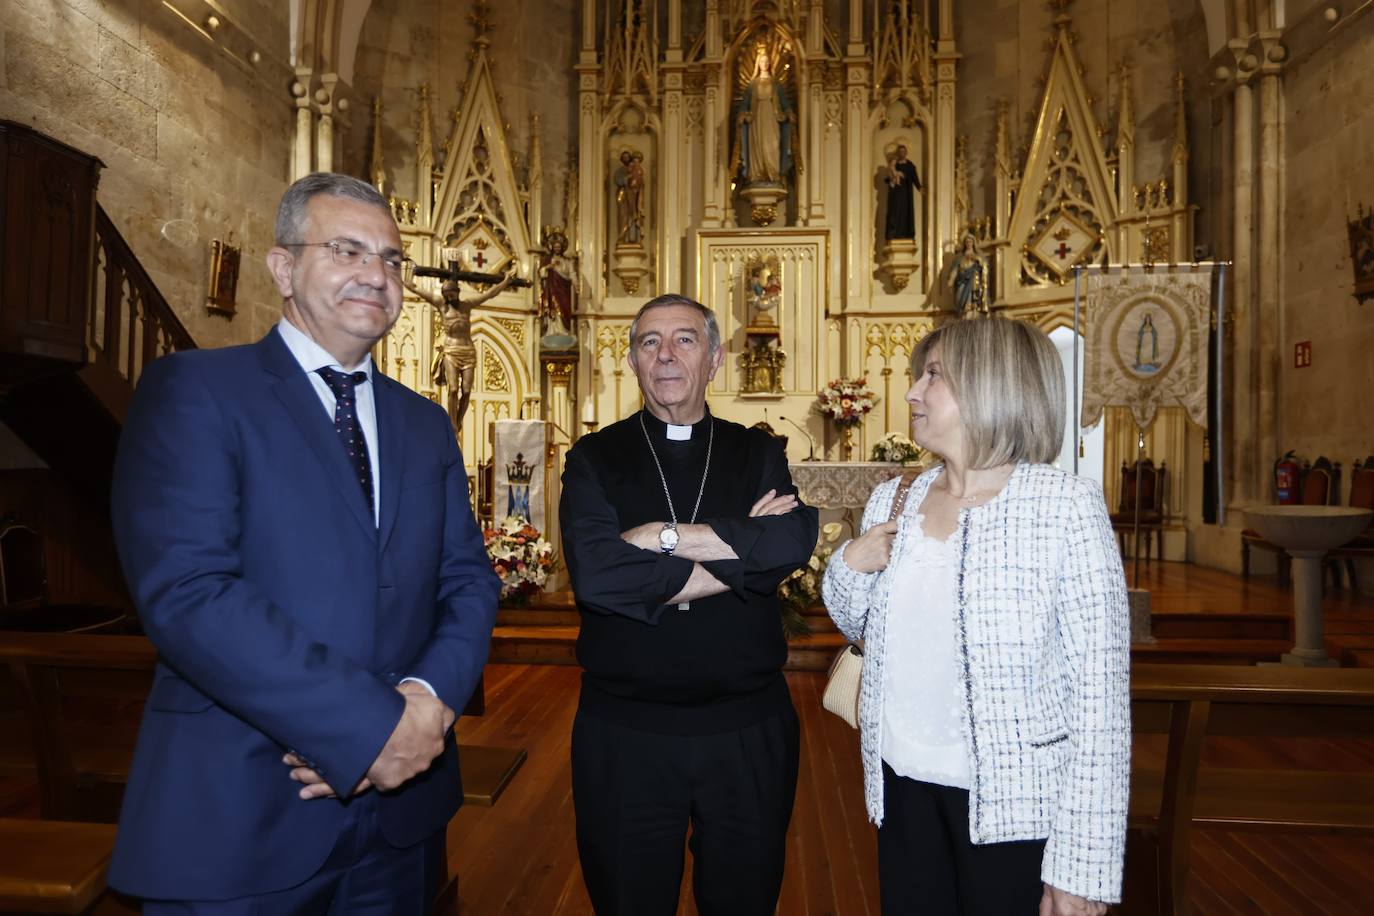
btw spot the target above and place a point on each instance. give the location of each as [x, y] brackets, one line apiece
[520, 857]
[1199, 616]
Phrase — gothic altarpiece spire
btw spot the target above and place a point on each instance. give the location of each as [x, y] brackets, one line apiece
[476, 212]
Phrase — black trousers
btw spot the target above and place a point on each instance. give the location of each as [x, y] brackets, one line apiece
[635, 793]
[927, 864]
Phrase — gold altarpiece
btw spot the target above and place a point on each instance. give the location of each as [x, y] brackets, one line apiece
[848, 94]
[657, 202]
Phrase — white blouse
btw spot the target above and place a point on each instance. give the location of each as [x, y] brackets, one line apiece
[922, 685]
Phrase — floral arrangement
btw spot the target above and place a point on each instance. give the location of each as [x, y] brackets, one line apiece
[802, 589]
[845, 400]
[521, 558]
[896, 448]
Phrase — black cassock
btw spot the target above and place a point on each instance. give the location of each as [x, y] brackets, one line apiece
[901, 202]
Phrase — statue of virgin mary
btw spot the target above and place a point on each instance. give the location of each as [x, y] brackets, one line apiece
[765, 127]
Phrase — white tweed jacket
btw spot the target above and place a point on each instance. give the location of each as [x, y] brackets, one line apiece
[1043, 635]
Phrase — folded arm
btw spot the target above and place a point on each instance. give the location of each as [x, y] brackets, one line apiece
[610, 575]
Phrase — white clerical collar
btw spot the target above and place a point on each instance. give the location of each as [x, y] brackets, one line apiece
[679, 433]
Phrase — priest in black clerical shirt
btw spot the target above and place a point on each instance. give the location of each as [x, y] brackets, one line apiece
[678, 528]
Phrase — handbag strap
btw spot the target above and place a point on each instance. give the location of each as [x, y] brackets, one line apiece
[898, 504]
[903, 487]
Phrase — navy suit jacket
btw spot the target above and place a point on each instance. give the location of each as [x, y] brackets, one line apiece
[284, 616]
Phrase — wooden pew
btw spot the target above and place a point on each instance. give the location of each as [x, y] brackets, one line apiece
[83, 759]
[82, 696]
[1192, 702]
[56, 867]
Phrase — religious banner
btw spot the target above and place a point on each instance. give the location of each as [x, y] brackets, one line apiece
[1146, 342]
[519, 456]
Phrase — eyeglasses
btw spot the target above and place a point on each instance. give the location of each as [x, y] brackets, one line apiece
[350, 254]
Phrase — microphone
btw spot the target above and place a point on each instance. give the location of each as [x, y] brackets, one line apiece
[803, 431]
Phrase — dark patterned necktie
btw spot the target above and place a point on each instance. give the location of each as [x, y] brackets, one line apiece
[350, 431]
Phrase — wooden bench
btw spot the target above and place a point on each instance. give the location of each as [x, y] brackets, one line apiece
[55, 867]
[1189, 703]
[82, 696]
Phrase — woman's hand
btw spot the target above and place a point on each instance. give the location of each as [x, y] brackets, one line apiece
[1055, 902]
[870, 551]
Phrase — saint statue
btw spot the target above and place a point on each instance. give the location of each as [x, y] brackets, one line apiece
[902, 185]
[557, 273]
[455, 356]
[765, 127]
[765, 293]
[629, 197]
[967, 276]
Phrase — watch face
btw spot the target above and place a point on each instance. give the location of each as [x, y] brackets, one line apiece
[667, 538]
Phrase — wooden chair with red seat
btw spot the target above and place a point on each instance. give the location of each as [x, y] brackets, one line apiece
[1361, 497]
[1153, 490]
[1320, 487]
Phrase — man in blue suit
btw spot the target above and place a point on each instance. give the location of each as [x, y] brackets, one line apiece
[295, 529]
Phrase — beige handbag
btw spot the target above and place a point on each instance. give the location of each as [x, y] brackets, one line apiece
[841, 694]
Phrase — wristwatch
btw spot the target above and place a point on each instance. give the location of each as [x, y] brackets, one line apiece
[667, 538]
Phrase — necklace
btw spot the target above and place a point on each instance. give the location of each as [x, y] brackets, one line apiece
[710, 437]
[976, 494]
[663, 478]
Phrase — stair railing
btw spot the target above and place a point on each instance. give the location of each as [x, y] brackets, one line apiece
[130, 323]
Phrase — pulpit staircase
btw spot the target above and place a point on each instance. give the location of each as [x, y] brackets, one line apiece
[79, 319]
[79, 315]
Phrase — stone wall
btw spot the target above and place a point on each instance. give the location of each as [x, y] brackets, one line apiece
[404, 43]
[1329, 171]
[185, 134]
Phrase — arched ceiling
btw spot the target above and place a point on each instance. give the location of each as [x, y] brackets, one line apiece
[324, 34]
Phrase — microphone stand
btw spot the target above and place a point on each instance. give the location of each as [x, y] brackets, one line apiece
[809, 439]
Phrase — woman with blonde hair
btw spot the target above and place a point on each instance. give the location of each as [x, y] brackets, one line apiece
[994, 709]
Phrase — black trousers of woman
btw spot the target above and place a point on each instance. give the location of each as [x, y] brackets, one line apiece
[927, 865]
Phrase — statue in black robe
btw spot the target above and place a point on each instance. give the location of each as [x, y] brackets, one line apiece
[902, 185]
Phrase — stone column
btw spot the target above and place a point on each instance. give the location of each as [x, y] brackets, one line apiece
[1267, 262]
[1243, 433]
[324, 127]
[301, 159]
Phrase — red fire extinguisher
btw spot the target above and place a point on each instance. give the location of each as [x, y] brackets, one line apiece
[1287, 475]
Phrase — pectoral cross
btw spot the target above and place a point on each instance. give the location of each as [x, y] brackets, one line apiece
[684, 605]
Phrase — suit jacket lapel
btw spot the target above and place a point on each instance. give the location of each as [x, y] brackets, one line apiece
[392, 462]
[296, 393]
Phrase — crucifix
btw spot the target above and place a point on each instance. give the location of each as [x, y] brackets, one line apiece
[455, 356]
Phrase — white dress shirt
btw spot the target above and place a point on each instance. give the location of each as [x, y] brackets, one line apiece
[312, 356]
